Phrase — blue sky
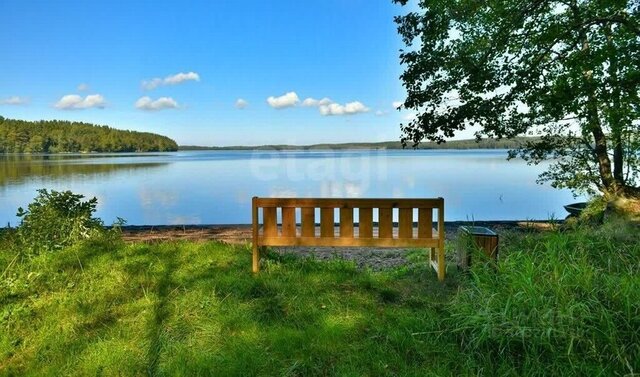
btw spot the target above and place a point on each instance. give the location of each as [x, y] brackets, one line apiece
[180, 68]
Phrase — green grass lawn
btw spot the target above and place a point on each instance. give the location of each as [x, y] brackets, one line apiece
[559, 303]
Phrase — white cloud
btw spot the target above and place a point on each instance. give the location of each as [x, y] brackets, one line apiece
[397, 104]
[146, 103]
[82, 87]
[241, 103]
[181, 77]
[75, 102]
[14, 100]
[178, 78]
[287, 100]
[312, 102]
[347, 109]
[152, 84]
[325, 105]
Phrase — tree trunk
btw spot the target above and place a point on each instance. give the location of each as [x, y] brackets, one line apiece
[600, 150]
[618, 159]
[593, 119]
[615, 119]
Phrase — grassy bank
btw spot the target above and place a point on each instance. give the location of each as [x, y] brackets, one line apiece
[559, 303]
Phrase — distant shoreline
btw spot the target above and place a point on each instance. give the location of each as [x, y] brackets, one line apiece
[466, 144]
[244, 149]
[384, 145]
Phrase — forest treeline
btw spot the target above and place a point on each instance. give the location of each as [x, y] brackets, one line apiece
[453, 144]
[58, 136]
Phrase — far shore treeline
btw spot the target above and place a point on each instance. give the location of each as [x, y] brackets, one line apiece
[58, 136]
[453, 144]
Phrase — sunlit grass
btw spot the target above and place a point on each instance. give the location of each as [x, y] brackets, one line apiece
[195, 308]
[563, 302]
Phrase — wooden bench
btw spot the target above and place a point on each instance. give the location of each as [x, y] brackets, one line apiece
[290, 232]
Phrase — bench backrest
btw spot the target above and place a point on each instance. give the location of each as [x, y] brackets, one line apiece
[297, 225]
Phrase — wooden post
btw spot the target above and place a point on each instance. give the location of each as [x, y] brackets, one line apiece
[256, 251]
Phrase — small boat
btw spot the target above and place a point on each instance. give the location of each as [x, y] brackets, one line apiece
[575, 208]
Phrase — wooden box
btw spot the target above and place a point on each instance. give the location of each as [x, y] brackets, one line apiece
[476, 238]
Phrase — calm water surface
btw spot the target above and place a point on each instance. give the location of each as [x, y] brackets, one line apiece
[215, 187]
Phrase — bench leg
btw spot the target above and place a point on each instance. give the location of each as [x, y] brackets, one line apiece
[436, 260]
[256, 258]
[441, 262]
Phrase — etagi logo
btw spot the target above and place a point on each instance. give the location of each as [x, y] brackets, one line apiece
[338, 173]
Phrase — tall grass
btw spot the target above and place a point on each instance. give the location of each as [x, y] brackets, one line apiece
[559, 303]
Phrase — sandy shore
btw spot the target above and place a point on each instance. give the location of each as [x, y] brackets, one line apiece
[241, 233]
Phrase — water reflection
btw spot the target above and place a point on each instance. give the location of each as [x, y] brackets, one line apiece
[17, 169]
[217, 186]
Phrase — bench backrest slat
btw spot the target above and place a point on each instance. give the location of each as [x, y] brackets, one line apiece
[405, 223]
[346, 222]
[288, 222]
[365, 220]
[308, 221]
[385, 223]
[425, 223]
[270, 221]
[326, 222]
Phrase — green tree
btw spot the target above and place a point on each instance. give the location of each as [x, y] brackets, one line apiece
[567, 71]
[55, 136]
[36, 144]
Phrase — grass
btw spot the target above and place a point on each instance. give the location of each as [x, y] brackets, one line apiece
[566, 301]
[558, 303]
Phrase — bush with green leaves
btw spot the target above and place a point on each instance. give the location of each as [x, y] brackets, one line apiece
[56, 219]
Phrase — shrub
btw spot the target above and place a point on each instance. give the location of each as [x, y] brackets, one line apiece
[594, 212]
[57, 219]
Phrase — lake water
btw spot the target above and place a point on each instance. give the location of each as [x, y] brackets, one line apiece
[215, 187]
